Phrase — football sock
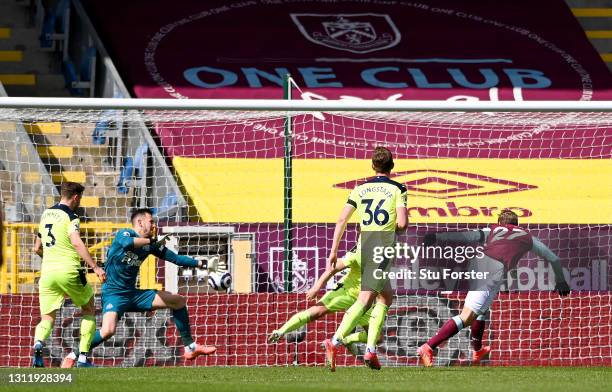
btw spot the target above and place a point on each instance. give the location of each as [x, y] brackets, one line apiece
[43, 330]
[377, 320]
[349, 321]
[295, 322]
[88, 329]
[181, 319]
[357, 337]
[477, 331]
[449, 329]
[97, 340]
[83, 357]
[190, 347]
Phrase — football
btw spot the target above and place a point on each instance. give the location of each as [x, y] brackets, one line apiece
[220, 281]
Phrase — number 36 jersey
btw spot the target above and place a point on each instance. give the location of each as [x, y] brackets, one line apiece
[507, 243]
[56, 225]
[376, 201]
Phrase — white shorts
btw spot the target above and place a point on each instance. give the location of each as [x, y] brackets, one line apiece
[479, 301]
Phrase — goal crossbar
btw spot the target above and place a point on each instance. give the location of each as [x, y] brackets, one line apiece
[303, 105]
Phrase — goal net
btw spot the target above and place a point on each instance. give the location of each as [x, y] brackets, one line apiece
[262, 190]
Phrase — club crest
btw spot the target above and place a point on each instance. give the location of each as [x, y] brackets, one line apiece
[356, 33]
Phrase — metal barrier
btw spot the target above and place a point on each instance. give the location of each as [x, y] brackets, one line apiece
[21, 268]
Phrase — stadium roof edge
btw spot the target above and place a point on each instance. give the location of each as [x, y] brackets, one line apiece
[301, 105]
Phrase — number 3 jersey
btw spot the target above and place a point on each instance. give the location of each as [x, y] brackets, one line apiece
[56, 225]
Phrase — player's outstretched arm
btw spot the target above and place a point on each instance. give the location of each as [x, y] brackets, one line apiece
[180, 260]
[458, 236]
[79, 246]
[345, 215]
[320, 283]
[544, 252]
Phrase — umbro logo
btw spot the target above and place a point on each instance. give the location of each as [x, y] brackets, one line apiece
[447, 184]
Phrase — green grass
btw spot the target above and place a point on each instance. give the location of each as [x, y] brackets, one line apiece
[278, 379]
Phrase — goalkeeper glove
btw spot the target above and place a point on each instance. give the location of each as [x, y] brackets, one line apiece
[159, 243]
[562, 288]
[429, 239]
[209, 263]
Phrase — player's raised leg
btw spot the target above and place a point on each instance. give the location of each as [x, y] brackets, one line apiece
[347, 325]
[350, 342]
[165, 299]
[298, 320]
[448, 330]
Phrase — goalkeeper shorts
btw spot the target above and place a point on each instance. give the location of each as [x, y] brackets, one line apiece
[127, 301]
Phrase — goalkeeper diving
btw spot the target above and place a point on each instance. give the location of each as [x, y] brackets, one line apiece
[339, 299]
[119, 293]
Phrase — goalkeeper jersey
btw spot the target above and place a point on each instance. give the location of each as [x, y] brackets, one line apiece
[123, 261]
[56, 225]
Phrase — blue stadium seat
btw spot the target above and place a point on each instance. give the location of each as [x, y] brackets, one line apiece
[48, 30]
[99, 132]
[125, 176]
[70, 76]
[87, 63]
[140, 160]
[62, 11]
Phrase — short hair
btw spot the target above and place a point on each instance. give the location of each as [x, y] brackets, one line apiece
[69, 189]
[507, 217]
[140, 212]
[382, 160]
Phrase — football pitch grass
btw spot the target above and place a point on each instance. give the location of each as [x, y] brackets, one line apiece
[353, 379]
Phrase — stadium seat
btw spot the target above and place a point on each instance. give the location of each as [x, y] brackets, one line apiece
[55, 27]
[70, 76]
[99, 132]
[140, 160]
[125, 176]
[48, 30]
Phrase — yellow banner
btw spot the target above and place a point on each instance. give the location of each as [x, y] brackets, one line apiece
[439, 190]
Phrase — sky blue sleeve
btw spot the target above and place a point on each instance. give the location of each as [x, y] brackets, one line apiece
[544, 252]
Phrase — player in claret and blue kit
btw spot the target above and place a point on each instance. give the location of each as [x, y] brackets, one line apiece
[504, 245]
[119, 294]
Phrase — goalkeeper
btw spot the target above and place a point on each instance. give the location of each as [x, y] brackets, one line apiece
[119, 294]
[339, 299]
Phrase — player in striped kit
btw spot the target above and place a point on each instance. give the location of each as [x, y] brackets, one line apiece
[504, 245]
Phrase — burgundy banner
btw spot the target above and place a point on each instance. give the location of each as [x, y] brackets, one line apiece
[535, 329]
[432, 135]
[439, 49]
